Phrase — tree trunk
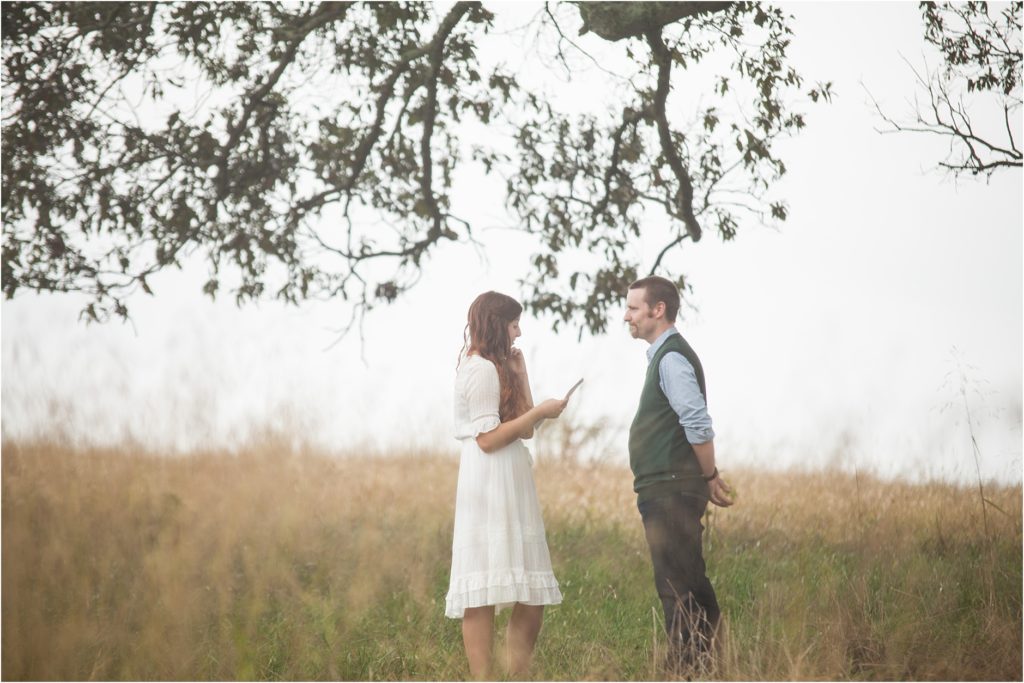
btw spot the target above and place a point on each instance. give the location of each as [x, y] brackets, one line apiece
[617, 20]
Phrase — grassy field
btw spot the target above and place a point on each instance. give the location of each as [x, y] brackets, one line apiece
[123, 565]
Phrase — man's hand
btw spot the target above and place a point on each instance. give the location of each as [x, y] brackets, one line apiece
[720, 492]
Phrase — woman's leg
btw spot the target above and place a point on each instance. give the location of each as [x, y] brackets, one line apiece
[523, 628]
[477, 636]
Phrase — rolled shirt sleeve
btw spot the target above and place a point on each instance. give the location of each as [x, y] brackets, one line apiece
[679, 384]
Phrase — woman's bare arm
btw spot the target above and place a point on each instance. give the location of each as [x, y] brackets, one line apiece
[507, 432]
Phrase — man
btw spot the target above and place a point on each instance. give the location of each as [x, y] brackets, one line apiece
[672, 454]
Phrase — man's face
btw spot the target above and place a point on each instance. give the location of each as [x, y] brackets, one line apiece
[639, 315]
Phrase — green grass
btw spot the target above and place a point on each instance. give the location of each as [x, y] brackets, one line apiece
[119, 566]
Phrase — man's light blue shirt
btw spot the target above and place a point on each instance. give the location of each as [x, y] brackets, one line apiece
[678, 381]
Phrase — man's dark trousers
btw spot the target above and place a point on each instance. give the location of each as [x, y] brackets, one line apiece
[673, 529]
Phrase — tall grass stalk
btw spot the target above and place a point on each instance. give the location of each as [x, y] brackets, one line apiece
[975, 450]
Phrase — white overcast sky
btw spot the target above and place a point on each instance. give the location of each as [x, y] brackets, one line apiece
[839, 339]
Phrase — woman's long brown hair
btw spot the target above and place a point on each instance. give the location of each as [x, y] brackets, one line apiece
[486, 334]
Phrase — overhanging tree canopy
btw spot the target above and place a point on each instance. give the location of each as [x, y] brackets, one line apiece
[317, 152]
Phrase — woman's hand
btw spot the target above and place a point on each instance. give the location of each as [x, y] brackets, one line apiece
[520, 427]
[552, 407]
[517, 362]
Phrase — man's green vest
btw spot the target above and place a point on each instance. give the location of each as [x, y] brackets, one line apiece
[661, 458]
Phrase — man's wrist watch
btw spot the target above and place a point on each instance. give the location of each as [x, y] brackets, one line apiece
[710, 477]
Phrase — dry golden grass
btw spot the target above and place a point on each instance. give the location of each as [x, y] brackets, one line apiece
[292, 565]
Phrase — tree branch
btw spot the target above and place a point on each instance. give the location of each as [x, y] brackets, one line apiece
[324, 14]
[387, 91]
[618, 20]
[947, 120]
[684, 198]
[436, 62]
[661, 255]
[630, 117]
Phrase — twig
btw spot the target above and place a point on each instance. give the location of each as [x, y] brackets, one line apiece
[975, 449]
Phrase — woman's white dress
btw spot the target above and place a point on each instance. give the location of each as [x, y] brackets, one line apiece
[499, 551]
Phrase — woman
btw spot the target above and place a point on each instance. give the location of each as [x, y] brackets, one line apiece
[499, 551]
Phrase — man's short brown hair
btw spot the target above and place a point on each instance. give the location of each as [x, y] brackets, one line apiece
[659, 289]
